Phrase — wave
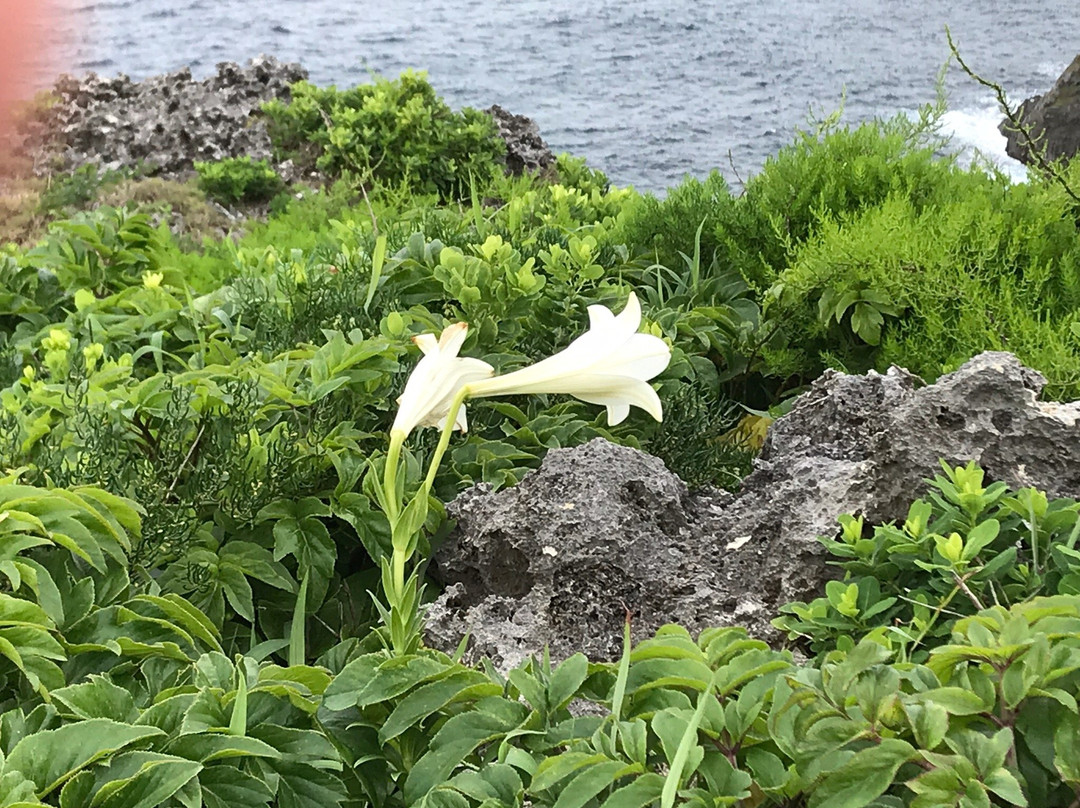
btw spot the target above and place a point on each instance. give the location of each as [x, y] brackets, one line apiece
[975, 131]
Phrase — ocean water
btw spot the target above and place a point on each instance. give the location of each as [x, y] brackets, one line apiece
[647, 90]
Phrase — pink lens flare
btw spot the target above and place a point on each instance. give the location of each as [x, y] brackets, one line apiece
[24, 29]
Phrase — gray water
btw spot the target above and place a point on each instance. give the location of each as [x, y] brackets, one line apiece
[648, 91]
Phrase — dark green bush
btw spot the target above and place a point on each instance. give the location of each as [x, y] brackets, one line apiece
[395, 132]
[239, 179]
[665, 229]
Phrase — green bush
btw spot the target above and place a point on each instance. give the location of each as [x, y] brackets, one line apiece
[239, 179]
[665, 229]
[964, 547]
[121, 697]
[75, 191]
[398, 133]
[993, 267]
[832, 172]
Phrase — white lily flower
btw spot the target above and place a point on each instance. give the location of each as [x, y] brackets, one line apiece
[610, 364]
[436, 379]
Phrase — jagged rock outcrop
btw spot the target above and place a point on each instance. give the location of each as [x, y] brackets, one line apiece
[1053, 120]
[163, 123]
[525, 149]
[601, 529]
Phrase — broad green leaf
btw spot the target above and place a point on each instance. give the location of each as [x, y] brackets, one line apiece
[229, 787]
[929, 721]
[209, 747]
[459, 737]
[1067, 747]
[342, 692]
[98, 698]
[592, 780]
[554, 770]
[156, 779]
[49, 758]
[864, 777]
[566, 680]
[644, 790]
[769, 771]
[1005, 785]
[434, 696]
[168, 714]
[954, 700]
[303, 786]
[399, 675]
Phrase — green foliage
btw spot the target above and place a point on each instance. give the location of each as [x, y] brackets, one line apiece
[665, 229]
[239, 179]
[966, 546]
[194, 443]
[128, 699]
[397, 132]
[724, 720]
[243, 419]
[831, 171]
[76, 190]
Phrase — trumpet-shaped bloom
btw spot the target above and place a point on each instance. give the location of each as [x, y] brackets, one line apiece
[436, 379]
[610, 364]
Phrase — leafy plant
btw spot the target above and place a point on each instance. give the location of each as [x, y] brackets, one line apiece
[967, 546]
[398, 132]
[239, 179]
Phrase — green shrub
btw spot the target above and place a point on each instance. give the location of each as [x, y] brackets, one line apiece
[394, 132]
[965, 546]
[239, 179]
[75, 191]
[832, 172]
[994, 267]
[666, 229]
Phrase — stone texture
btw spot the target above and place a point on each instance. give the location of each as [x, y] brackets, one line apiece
[525, 149]
[1054, 119]
[164, 123]
[601, 529]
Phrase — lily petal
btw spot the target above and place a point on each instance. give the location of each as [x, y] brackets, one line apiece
[436, 380]
[609, 365]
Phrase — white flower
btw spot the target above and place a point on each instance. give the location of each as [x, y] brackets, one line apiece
[436, 379]
[611, 364]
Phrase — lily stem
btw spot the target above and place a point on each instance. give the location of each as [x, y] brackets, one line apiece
[444, 438]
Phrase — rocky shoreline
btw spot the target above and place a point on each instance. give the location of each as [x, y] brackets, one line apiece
[162, 125]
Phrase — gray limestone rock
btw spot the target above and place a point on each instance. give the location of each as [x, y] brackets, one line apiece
[164, 123]
[525, 149]
[600, 529]
[1053, 118]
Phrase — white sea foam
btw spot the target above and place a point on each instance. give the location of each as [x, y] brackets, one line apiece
[974, 131]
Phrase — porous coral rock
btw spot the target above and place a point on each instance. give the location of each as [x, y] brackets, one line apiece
[601, 529]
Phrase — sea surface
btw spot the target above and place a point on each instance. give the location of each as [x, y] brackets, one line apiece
[647, 90]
